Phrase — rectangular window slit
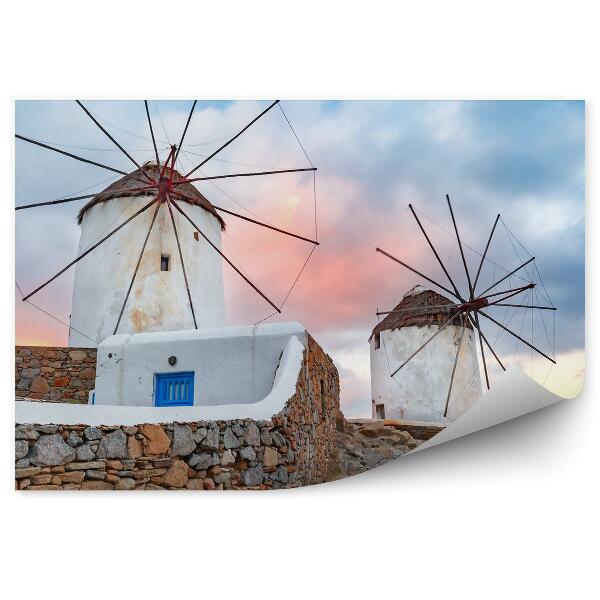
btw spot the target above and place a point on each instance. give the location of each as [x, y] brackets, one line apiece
[164, 262]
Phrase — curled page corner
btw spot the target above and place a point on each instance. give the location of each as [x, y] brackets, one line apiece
[513, 395]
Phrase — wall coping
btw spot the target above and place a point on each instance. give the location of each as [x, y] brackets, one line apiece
[284, 388]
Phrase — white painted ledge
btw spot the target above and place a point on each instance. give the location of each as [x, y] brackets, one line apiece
[514, 394]
[284, 387]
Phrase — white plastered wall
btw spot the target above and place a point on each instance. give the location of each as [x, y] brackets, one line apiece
[418, 392]
[158, 299]
[231, 365]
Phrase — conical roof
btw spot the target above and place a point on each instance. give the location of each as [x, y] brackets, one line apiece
[424, 303]
[122, 189]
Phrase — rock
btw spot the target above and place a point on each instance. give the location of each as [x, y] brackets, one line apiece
[271, 457]
[199, 434]
[113, 445]
[94, 475]
[21, 448]
[211, 440]
[252, 437]
[39, 385]
[72, 477]
[206, 460]
[85, 452]
[51, 450]
[88, 373]
[75, 382]
[26, 432]
[115, 465]
[92, 433]
[290, 456]
[280, 475]
[41, 479]
[77, 355]
[47, 428]
[237, 429]
[22, 463]
[30, 373]
[277, 439]
[266, 438]
[28, 472]
[134, 447]
[84, 466]
[227, 458]
[44, 487]
[130, 429]
[61, 381]
[126, 483]
[252, 476]
[96, 485]
[158, 441]
[247, 453]
[183, 440]
[230, 440]
[74, 440]
[340, 421]
[24, 384]
[195, 484]
[176, 475]
[209, 484]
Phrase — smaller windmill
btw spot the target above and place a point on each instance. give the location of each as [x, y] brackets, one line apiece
[457, 317]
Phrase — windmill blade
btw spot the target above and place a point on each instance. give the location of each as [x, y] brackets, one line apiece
[255, 174]
[462, 334]
[185, 130]
[491, 349]
[462, 254]
[507, 276]
[139, 212]
[224, 257]
[485, 252]
[514, 293]
[237, 135]
[515, 290]
[418, 273]
[487, 378]
[137, 266]
[523, 306]
[229, 212]
[187, 286]
[435, 252]
[152, 133]
[112, 139]
[517, 336]
[440, 329]
[74, 198]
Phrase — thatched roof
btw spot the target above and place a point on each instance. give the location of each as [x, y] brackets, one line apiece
[423, 300]
[122, 189]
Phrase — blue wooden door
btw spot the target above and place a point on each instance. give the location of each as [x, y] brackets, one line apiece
[174, 389]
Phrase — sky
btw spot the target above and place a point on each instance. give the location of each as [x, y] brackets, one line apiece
[524, 160]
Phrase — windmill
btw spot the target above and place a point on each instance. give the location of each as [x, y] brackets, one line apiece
[173, 196]
[464, 311]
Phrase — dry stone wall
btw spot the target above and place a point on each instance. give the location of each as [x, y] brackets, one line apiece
[296, 447]
[55, 374]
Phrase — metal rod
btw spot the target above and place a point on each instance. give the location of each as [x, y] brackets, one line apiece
[63, 200]
[137, 266]
[462, 333]
[224, 257]
[186, 180]
[511, 295]
[139, 212]
[152, 133]
[232, 139]
[484, 253]
[507, 276]
[523, 306]
[486, 341]
[187, 286]
[517, 336]
[229, 212]
[462, 254]
[185, 130]
[427, 342]
[418, 273]
[518, 290]
[403, 310]
[112, 139]
[434, 251]
[487, 379]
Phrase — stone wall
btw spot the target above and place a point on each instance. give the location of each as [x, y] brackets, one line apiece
[296, 447]
[55, 374]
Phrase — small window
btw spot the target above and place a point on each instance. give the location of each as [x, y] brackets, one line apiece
[377, 341]
[323, 399]
[164, 262]
[196, 235]
[380, 411]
